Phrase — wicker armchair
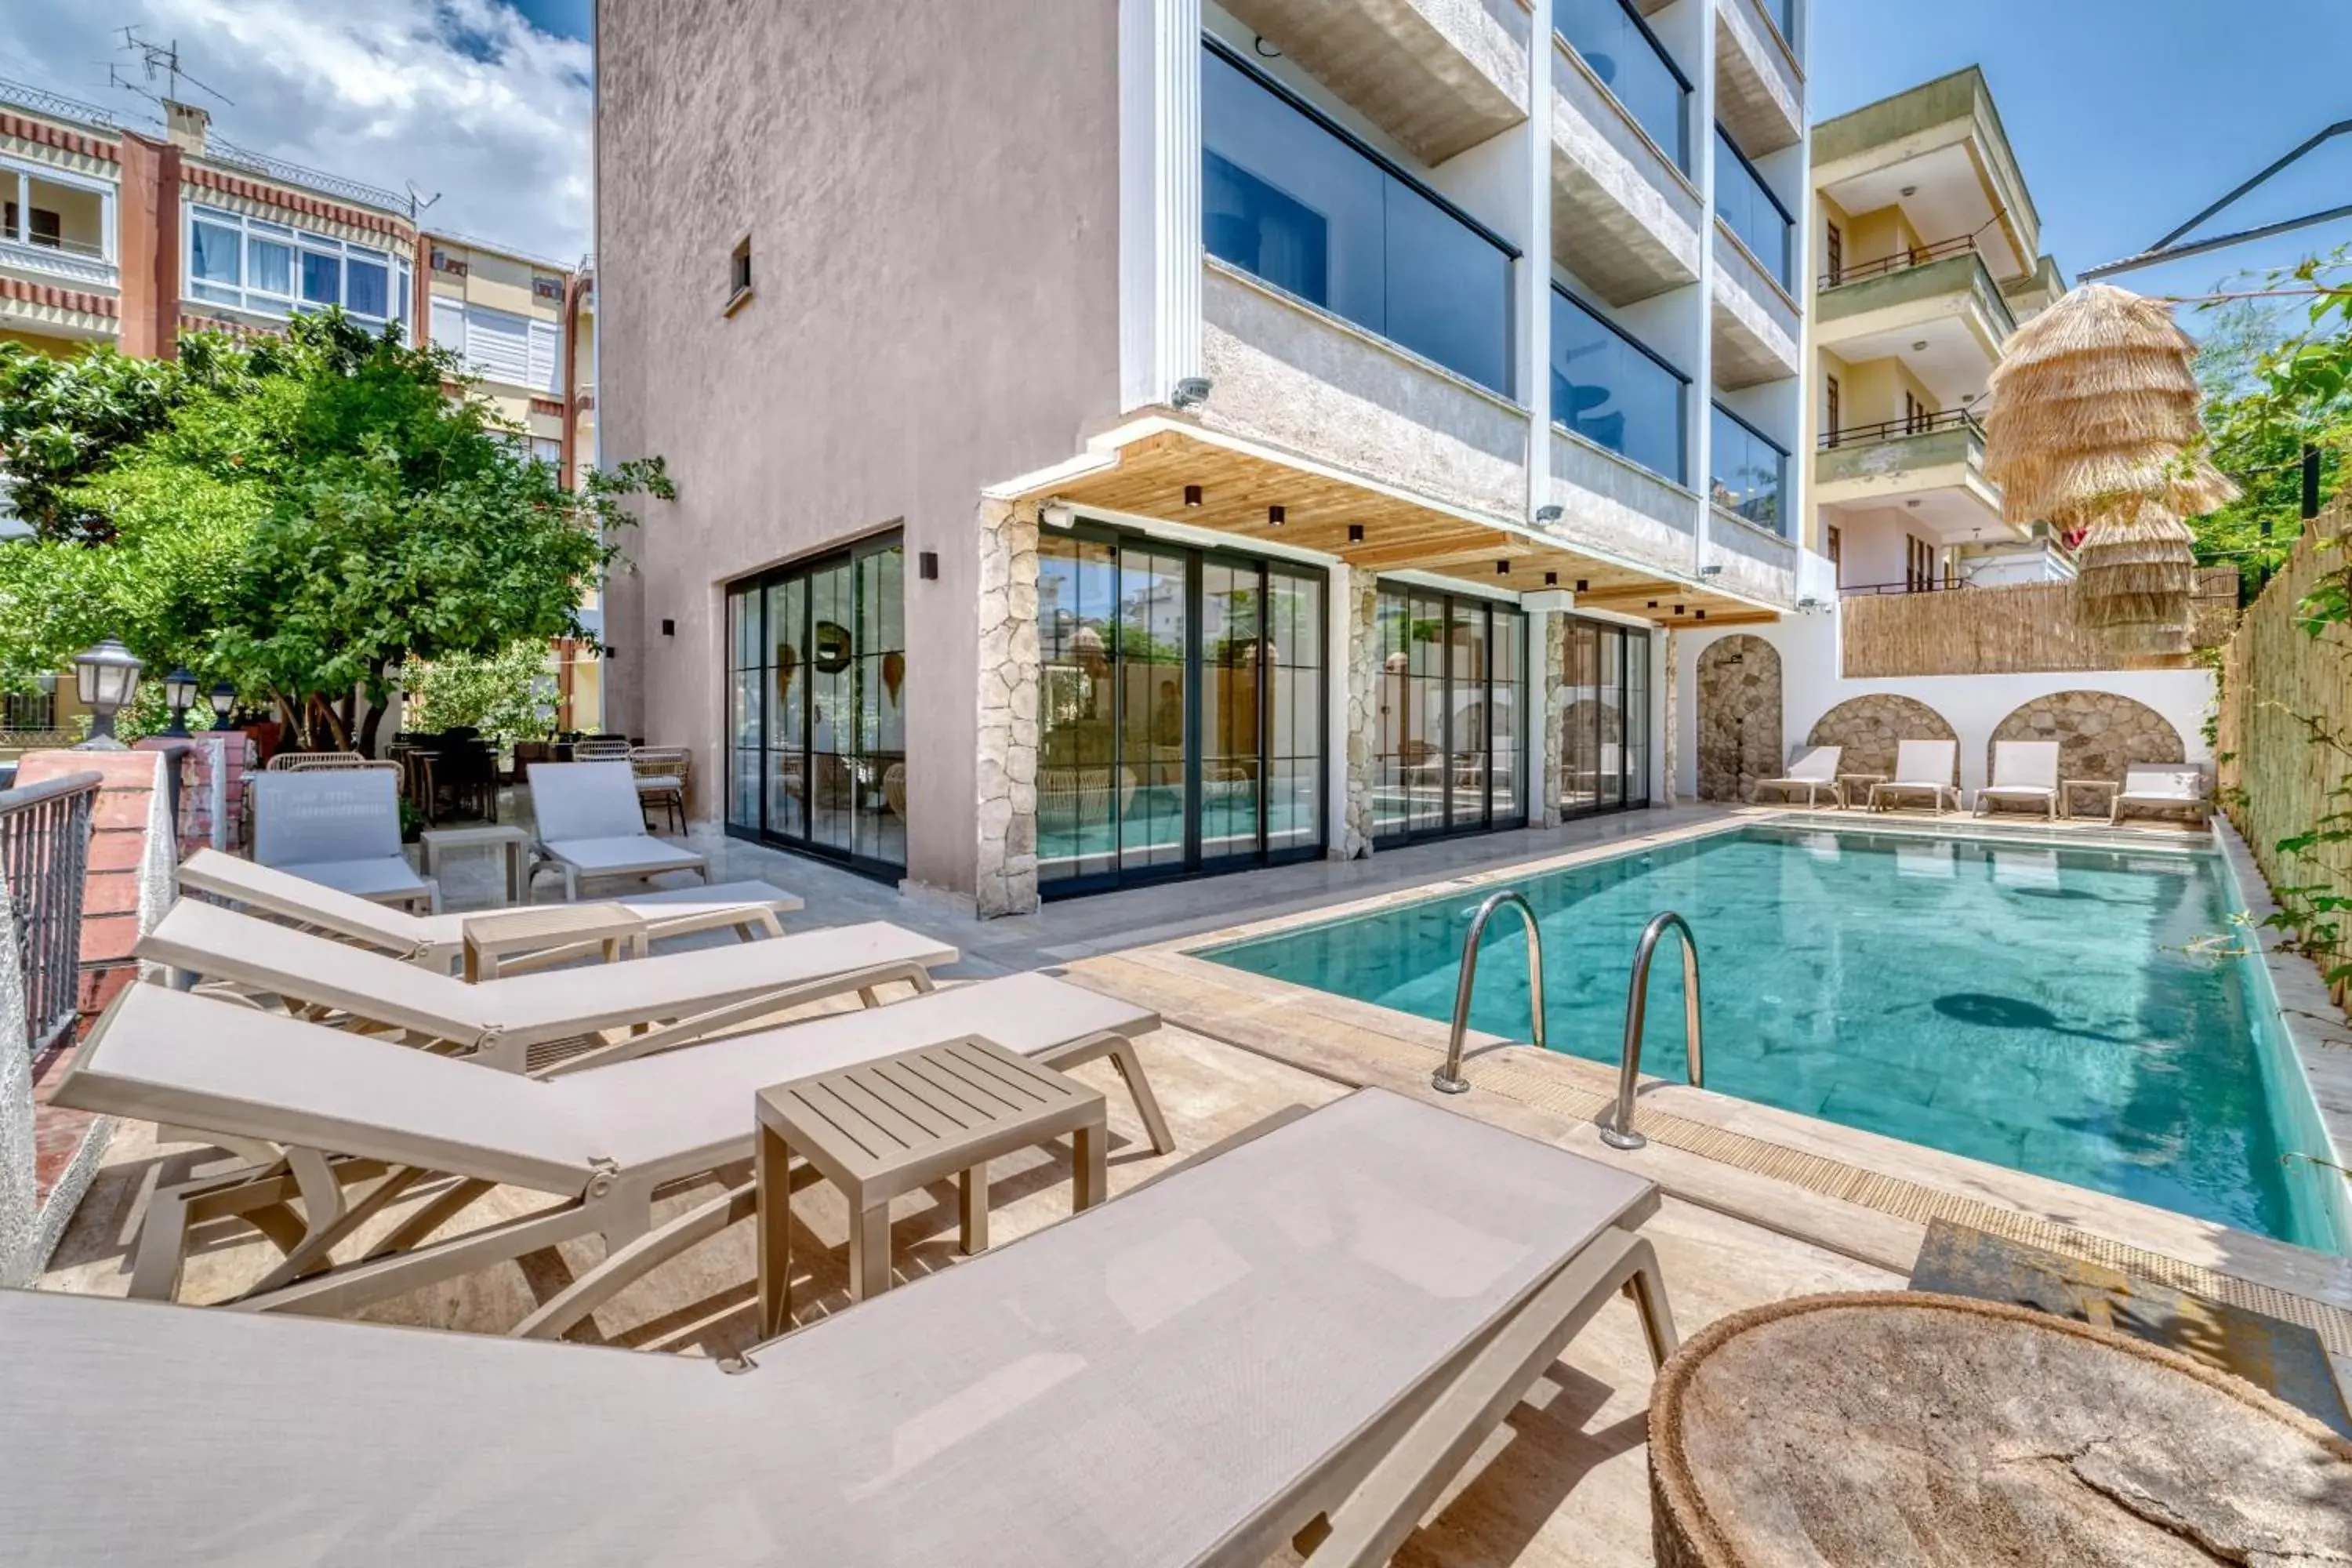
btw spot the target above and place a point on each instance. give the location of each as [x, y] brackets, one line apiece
[665, 778]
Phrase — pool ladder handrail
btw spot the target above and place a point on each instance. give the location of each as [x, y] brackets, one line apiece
[1448, 1079]
[1618, 1132]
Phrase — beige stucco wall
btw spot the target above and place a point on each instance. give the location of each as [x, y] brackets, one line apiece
[931, 195]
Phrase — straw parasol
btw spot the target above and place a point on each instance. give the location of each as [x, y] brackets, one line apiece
[2093, 426]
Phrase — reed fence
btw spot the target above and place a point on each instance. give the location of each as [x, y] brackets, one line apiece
[2284, 735]
[2023, 628]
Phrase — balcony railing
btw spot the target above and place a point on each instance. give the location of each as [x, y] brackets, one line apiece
[1914, 585]
[1295, 201]
[1610, 37]
[1901, 261]
[1747, 207]
[1925, 422]
[44, 852]
[1613, 390]
[1750, 472]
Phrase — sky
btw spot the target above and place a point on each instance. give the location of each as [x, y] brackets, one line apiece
[485, 102]
[2128, 117]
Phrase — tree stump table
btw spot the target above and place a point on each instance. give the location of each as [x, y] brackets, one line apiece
[1875, 1430]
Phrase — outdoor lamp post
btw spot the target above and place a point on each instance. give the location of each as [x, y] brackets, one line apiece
[179, 696]
[222, 698]
[107, 677]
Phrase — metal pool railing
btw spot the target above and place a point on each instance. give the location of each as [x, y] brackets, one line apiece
[1619, 1133]
[44, 854]
[1448, 1079]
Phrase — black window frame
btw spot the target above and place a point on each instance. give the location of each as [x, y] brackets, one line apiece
[1785, 276]
[1630, 637]
[1531, 742]
[1682, 405]
[1678, 155]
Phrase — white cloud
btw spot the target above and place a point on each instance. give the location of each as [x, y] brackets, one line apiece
[463, 97]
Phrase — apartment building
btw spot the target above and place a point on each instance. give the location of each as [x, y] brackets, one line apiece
[1124, 442]
[1929, 251]
[111, 235]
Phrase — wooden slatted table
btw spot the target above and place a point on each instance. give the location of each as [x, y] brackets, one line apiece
[534, 929]
[888, 1127]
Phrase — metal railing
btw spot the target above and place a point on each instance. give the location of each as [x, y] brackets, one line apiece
[1619, 1133]
[1925, 422]
[41, 101]
[1448, 1079]
[89, 250]
[44, 853]
[1934, 584]
[1901, 261]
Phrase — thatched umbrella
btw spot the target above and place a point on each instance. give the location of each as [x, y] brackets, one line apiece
[2093, 426]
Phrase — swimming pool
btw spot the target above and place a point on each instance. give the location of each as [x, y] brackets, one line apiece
[2077, 1013]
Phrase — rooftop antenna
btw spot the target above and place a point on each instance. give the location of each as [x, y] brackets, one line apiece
[154, 59]
[418, 201]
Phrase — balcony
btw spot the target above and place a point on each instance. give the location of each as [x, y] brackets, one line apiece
[1616, 505]
[1937, 308]
[56, 231]
[1931, 466]
[1754, 322]
[1760, 95]
[1439, 76]
[1624, 217]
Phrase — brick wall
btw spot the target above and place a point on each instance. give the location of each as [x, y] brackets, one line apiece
[129, 881]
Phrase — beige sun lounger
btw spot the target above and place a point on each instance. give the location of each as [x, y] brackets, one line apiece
[318, 1111]
[438, 942]
[1308, 1335]
[2162, 784]
[1814, 771]
[2023, 770]
[669, 1000]
[1921, 767]
[591, 826]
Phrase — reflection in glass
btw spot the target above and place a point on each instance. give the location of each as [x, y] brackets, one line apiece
[1152, 664]
[1750, 471]
[1081, 790]
[1629, 62]
[1231, 741]
[1450, 746]
[1287, 199]
[1604, 718]
[1755, 215]
[1609, 391]
[1293, 808]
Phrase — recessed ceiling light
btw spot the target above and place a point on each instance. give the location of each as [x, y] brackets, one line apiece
[1910, 190]
[1274, 517]
[1192, 495]
[1920, 347]
[1355, 533]
[1502, 568]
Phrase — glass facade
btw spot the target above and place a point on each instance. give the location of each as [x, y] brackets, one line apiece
[1611, 39]
[1613, 392]
[1454, 737]
[1754, 213]
[1287, 197]
[1181, 710]
[1604, 762]
[1750, 472]
[816, 707]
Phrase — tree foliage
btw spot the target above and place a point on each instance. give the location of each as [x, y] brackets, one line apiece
[499, 695]
[300, 515]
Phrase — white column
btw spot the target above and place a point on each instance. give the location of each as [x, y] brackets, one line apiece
[1701, 441]
[23, 228]
[1159, 197]
[106, 236]
[1534, 303]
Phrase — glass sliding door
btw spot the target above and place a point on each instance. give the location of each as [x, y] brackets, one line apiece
[1450, 752]
[1604, 718]
[1181, 710]
[817, 687]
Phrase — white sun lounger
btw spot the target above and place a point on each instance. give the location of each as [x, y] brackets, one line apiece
[1309, 1334]
[318, 1111]
[1921, 767]
[338, 828]
[2162, 784]
[591, 826]
[2022, 770]
[683, 996]
[438, 942]
[1814, 771]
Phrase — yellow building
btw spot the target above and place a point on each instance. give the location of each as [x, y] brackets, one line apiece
[1928, 246]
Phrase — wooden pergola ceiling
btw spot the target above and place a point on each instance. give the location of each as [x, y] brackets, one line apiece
[1238, 490]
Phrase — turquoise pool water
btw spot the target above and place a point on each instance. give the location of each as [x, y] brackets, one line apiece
[2062, 1011]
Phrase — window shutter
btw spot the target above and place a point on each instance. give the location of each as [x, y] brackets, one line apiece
[546, 356]
[449, 325]
[498, 345]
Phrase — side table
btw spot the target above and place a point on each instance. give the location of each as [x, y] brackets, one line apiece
[888, 1127]
[2067, 788]
[515, 841]
[540, 928]
[1857, 786]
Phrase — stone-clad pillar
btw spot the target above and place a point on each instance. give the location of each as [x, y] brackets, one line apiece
[1005, 879]
[1671, 658]
[1552, 680]
[1361, 604]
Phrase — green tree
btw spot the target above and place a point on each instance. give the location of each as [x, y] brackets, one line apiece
[300, 515]
[499, 695]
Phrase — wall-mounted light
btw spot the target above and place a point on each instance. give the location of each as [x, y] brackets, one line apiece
[1275, 517]
[1712, 569]
[1056, 514]
[1192, 495]
[927, 566]
[1548, 514]
[1355, 533]
[1190, 392]
[669, 627]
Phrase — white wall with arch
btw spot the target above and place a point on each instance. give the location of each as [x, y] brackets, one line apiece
[1974, 705]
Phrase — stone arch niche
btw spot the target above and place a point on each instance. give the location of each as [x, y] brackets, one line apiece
[1738, 717]
[1870, 728]
[2097, 732]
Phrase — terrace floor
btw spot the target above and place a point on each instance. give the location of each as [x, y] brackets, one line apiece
[1761, 1205]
